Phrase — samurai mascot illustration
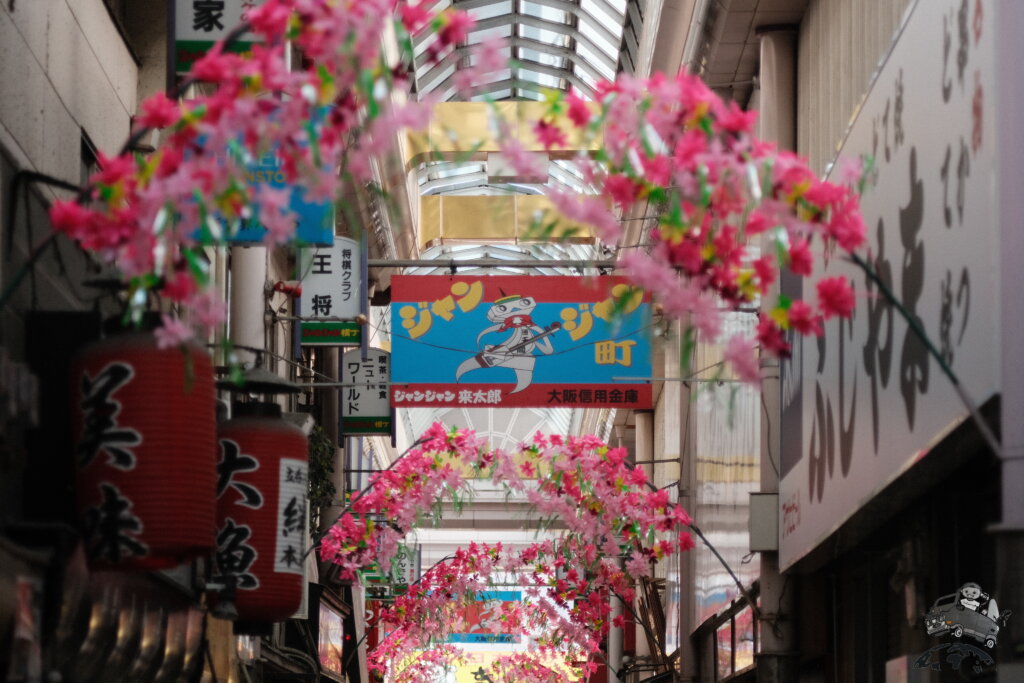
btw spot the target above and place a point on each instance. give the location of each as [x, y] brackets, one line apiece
[511, 314]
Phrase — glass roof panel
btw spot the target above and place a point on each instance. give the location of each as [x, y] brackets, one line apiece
[447, 169]
[591, 30]
[534, 9]
[527, 94]
[496, 9]
[599, 11]
[546, 80]
[546, 58]
[544, 35]
[496, 95]
[585, 37]
[584, 76]
[478, 36]
[506, 52]
[593, 60]
[438, 78]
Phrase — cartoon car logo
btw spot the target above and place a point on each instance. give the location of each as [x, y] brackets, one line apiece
[948, 616]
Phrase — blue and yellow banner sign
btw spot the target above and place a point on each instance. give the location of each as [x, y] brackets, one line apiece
[509, 341]
[313, 216]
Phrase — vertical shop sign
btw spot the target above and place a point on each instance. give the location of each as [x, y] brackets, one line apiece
[405, 567]
[291, 517]
[330, 294]
[365, 396]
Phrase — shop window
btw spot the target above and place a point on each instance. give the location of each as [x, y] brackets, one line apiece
[745, 641]
[735, 640]
[723, 651]
[331, 643]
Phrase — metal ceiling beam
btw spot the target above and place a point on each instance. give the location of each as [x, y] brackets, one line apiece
[545, 25]
[542, 24]
[515, 42]
[530, 65]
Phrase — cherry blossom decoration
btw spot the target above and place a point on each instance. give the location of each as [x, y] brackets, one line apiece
[669, 141]
[673, 148]
[615, 526]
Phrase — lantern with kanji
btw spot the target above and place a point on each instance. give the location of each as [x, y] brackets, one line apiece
[144, 421]
[261, 512]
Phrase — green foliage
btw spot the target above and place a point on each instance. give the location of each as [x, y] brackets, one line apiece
[321, 467]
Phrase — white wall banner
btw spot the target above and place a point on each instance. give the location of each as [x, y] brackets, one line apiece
[873, 401]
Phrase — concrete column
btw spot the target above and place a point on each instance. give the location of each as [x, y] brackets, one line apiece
[1010, 540]
[777, 661]
[645, 441]
[687, 487]
[248, 299]
[777, 118]
[615, 639]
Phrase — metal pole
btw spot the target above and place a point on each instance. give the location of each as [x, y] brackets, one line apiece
[488, 263]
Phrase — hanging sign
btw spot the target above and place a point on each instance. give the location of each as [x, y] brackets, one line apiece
[519, 341]
[483, 618]
[330, 294]
[314, 220]
[143, 418]
[199, 24]
[405, 567]
[365, 405]
[262, 479]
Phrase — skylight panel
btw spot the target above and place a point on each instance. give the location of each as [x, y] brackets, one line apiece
[496, 9]
[546, 58]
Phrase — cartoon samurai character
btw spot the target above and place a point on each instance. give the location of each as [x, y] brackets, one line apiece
[512, 314]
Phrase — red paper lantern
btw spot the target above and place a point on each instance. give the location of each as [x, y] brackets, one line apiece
[144, 419]
[261, 512]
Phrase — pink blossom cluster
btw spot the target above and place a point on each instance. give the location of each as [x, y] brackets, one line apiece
[323, 122]
[436, 606]
[669, 142]
[671, 145]
[422, 665]
[614, 528]
[528, 668]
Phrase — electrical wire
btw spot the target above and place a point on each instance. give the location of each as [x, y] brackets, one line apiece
[768, 437]
[380, 329]
[272, 354]
[571, 349]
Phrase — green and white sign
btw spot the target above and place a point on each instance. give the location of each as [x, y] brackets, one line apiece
[330, 294]
[365, 396]
[199, 24]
